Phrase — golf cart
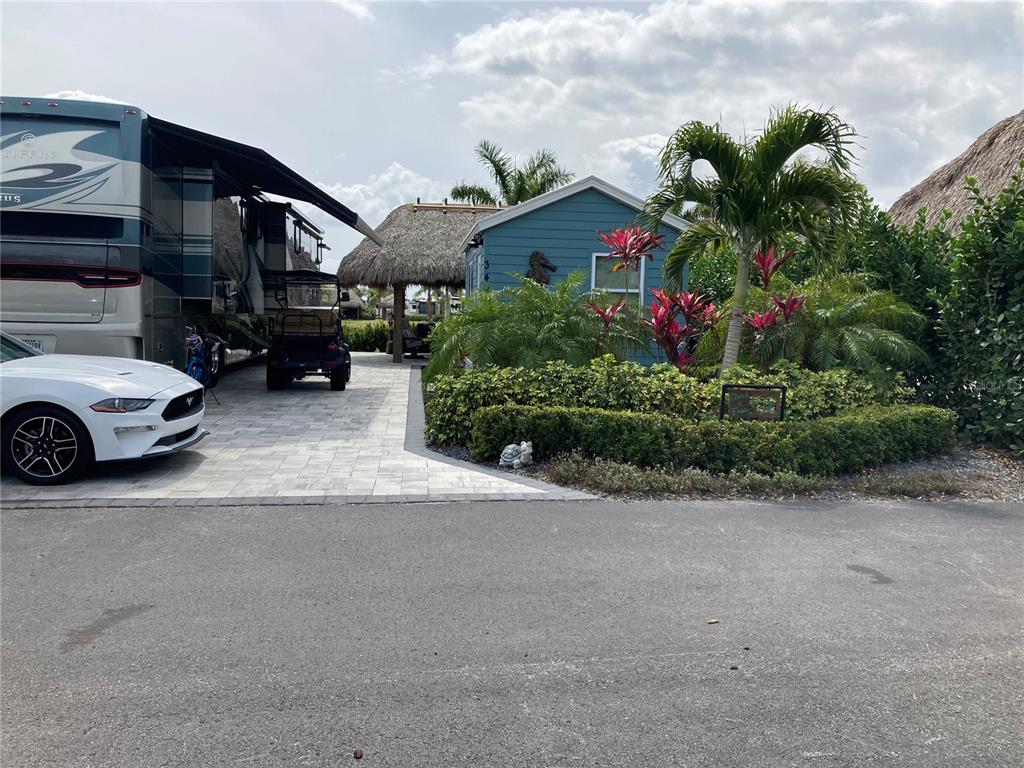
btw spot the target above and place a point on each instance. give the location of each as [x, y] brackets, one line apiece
[306, 339]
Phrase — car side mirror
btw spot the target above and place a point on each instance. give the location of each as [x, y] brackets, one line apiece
[343, 297]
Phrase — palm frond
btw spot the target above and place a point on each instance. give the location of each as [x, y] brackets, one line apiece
[880, 346]
[696, 141]
[792, 129]
[844, 322]
[472, 193]
[690, 244]
[677, 192]
[498, 164]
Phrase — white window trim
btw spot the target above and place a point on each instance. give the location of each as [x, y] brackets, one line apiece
[593, 276]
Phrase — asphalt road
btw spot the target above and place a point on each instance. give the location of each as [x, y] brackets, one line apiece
[515, 634]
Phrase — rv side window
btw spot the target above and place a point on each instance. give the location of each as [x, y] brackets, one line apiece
[51, 253]
[60, 225]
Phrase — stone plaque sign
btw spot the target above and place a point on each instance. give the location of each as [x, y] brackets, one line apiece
[753, 402]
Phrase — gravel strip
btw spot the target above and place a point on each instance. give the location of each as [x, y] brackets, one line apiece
[968, 472]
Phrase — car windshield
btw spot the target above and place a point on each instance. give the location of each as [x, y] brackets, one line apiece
[12, 349]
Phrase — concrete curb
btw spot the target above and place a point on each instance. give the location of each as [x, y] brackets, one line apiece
[415, 422]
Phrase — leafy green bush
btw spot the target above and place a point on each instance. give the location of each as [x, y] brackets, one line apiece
[713, 273]
[527, 325]
[981, 323]
[837, 444]
[912, 262]
[607, 384]
[366, 336]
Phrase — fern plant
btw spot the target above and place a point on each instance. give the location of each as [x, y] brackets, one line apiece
[527, 325]
[847, 323]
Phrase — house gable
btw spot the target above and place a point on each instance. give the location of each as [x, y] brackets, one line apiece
[565, 231]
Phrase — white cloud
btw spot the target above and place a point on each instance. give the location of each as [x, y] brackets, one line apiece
[361, 10]
[382, 192]
[887, 21]
[630, 163]
[918, 85]
[372, 199]
[78, 95]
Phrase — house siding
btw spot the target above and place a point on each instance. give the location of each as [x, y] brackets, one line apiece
[566, 232]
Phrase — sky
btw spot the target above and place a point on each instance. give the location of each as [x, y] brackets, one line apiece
[381, 103]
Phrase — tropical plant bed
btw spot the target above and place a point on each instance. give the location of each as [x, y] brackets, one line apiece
[968, 472]
[611, 385]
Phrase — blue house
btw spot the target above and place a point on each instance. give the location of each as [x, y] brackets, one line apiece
[556, 233]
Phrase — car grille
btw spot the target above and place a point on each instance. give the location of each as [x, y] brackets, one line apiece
[184, 405]
[172, 439]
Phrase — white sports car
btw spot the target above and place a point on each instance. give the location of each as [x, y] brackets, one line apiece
[62, 412]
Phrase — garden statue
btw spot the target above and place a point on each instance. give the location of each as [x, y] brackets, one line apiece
[516, 456]
[540, 265]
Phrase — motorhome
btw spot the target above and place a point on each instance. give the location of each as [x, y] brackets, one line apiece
[118, 230]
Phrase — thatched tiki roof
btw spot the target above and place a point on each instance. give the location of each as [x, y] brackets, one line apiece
[421, 247]
[991, 159]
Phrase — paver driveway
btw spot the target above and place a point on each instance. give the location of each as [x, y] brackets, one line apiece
[305, 444]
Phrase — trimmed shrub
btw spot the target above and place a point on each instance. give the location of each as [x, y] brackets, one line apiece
[831, 445]
[663, 389]
[366, 336]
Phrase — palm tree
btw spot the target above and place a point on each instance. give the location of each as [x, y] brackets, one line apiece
[372, 296]
[516, 184]
[847, 323]
[761, 191]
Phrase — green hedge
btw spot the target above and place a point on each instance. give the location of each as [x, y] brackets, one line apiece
[362, 336]
[981, 320]
[831, 445]
[610, 385]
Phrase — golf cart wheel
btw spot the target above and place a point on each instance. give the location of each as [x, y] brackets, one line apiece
[276, 379]
[216, 366]
[46, 445]
[338, 380]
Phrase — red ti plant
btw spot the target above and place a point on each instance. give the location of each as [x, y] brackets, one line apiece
[771, 337]
[766, 264]
[630, 246]
[762, 321]
[668, 332]
[690, 304]
[607, 317]
[677, 338]
[788, 306]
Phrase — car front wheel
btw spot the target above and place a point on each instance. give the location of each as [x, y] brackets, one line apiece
[46, 446]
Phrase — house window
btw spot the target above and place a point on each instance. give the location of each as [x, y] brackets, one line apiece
[624, 281]
[475, 267]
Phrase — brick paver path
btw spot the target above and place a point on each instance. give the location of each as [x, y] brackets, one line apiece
[305, 444]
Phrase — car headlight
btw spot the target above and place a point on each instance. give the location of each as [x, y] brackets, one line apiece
[121, 405]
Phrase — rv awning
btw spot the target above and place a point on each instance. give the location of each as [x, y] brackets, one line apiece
[253, 169]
